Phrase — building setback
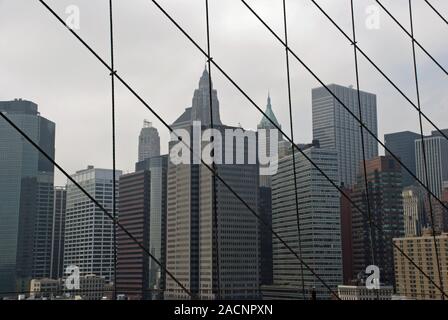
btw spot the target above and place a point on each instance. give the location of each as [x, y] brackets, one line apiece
[26, 196]
[319, 210]
[89, 242]
[384, 181]
[335, 128]
[409, 281]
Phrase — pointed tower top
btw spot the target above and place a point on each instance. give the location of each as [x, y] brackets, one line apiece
[265, 123]
[204, 81]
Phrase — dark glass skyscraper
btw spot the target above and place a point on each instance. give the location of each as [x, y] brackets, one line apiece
[385, 199]
[26, 196]
[57, 250]
[402, 144]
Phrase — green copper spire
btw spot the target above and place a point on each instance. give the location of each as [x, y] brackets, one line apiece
[265, 123]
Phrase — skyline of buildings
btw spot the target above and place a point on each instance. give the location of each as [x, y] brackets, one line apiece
[171, 208]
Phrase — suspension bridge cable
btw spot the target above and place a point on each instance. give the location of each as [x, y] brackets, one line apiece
[437, 12]
[216, 233]
[261, 111]
[411, 36]
[383, 74]
[366, 184]
[139, 98]
[91, 198]
[114, 167]
[367, 129]
[425, 165]
[286, 136]
[288, 76]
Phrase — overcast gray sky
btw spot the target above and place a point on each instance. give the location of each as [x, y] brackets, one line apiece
[41, 61]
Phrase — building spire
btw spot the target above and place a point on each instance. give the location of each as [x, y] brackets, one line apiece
[265, 122]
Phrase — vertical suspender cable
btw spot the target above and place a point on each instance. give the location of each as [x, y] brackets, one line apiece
[425, 163]
[215, 232]
[114, 168]
[288, 76]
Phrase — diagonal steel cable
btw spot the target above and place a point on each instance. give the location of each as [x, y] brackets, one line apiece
[288, 76]
[128, 87]
[425, 160]
[91, 198]
[383, 74]
[437, 12]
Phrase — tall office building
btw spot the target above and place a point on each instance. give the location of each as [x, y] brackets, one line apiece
[320, 226]
[148, 142]
[402, 144]
[265, 140]
[193, 241]
[26, 196]
[58, 231]
[157, 167]
[335, 128]
[265, 213]
[414, 215]
[436, 147]
[132, 262]
[409, 281]
[346, 236]
[89, 241]
[384, 181]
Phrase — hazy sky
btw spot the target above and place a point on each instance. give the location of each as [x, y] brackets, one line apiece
[41, 61]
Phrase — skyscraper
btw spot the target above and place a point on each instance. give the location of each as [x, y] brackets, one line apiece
[414, 215]
[320, 228]
[265, 139]
[193, 241]
[148, 142]
[335, 128]
[58, 233]
[436, 147]
[409, 281]
[132, 262]
[26, 196]
[157, 167]
[384, 181]
[88, 230]
[402, 144]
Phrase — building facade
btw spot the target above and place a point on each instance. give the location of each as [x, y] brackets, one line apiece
[320, 225]
[335, 128]
[201, 249]
[134, 210]
[26, 196]
[414, 210]
[58, 233]
[402, 145]
[409, 281]
[374, 237]
[436, 147]
[148, 142]
[89, 241]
